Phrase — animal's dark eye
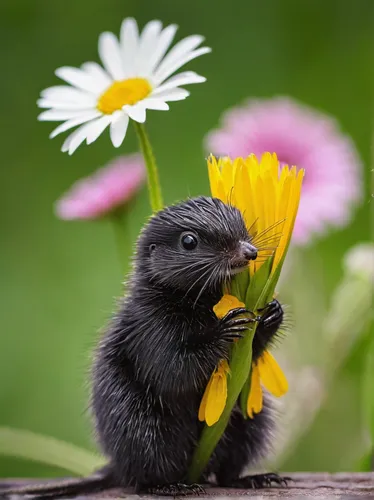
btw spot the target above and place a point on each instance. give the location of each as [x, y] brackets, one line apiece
[189, 241]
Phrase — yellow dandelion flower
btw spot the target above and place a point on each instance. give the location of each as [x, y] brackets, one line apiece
[215, 395]
[267, 196]
[269, 373]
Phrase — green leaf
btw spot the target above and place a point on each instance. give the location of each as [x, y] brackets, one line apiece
[368, 383]
[365, 464]
[256, 285]
[48, 450]
[245, 394]
[243, 282]
[239, 285]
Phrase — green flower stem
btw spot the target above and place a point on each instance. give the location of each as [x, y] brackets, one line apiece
[240, 361]
[154, 187]
[119, 220]
[260, 291]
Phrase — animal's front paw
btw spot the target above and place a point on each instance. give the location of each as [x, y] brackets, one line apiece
[176, 489]
[258, 481]
[234, 324]
[272, 316]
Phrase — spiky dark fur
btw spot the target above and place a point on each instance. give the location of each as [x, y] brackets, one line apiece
[156, 358]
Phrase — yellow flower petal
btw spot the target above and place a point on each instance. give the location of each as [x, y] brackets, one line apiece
[216, 400]
[215, 178]
[216, 397]
[202, 407]
[225, 305]
[254, 403]
[272, 375]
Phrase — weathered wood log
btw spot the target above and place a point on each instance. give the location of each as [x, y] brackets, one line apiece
[304, 485]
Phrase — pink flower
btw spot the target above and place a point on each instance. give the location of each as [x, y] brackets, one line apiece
[303, 137]
[104, 191]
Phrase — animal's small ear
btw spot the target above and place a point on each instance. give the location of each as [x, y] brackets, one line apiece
[152, 248]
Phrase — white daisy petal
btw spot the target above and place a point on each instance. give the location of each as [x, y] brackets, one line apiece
[73, 123]
[147, 43]
[98, 73]
[160, 76]
[45, 103]
[56, 115]
[89, 131]
[97, 127]
[67, 94]
[158, 104]
[118, 129]
[74, 140]
[150, 32]
[129, 43]
[162, 45]
[79, 138]
[187, 77]
[65, 146]
[111, 56]
[183, 47]
[136, 112]
[78, 78]
[173, 95]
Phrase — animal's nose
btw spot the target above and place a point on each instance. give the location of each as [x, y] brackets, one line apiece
[248, 251]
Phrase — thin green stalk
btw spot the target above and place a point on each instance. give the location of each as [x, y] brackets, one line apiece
[154, 188]
[119, 220]
[44, 449]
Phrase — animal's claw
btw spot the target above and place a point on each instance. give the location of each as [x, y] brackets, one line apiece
[176, 489]
[272, 314]
[231, 326]
[259, 481]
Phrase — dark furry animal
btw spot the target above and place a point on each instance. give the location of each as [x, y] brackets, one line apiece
[155, 360]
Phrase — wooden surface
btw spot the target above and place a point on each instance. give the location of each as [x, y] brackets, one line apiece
[304, 485]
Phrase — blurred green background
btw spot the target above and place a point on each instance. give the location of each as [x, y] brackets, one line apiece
[59, 280]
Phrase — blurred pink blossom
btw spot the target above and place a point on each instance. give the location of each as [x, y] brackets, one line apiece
[303, 137]
[105, 190]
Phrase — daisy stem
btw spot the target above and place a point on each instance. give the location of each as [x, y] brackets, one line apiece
[154, 187]
[119, 219]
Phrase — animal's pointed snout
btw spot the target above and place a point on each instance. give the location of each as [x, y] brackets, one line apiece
[248, 251]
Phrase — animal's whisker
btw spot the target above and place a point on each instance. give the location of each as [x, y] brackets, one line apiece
[204, 286]
[269, 228]
[267, 246]
[198, 278]
[252, 231]
[264, 238]
[269, 241]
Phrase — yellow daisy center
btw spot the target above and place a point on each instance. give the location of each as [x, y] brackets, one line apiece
[123, 92]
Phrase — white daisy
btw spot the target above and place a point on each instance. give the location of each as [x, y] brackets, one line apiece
[135, 77]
